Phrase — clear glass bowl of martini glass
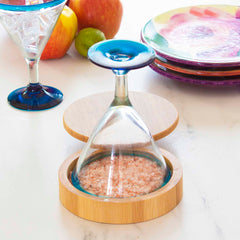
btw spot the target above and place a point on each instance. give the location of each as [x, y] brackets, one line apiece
[30, 24]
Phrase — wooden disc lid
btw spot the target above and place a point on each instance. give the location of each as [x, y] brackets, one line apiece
[81, 117]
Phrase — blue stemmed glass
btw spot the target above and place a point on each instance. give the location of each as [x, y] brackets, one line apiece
[120, 158]
[30, 24]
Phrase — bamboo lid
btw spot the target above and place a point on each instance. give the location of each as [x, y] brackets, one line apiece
[81, 117]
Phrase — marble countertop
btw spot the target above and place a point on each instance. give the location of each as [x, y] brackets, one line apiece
[34, 144]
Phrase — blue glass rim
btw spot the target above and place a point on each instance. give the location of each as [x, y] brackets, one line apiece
[34, 7]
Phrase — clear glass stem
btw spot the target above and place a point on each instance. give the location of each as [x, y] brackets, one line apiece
[33, 70]
[121, 90]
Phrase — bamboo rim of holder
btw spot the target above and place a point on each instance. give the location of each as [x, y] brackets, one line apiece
[121, 210]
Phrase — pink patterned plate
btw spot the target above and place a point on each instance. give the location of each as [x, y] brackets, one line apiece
[206, 35]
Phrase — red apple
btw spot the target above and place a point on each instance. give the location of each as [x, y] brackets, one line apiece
[105, 15]
[62, 35]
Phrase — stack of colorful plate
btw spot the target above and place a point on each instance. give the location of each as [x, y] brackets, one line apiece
[197, 44]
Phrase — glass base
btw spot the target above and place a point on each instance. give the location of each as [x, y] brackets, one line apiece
[35, 97]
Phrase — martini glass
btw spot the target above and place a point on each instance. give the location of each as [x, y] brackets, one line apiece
[120, 159]
[30, 24]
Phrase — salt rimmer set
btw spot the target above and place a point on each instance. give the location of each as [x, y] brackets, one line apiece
[121, 175]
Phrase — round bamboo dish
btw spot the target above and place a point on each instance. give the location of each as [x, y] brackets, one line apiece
[121, 210]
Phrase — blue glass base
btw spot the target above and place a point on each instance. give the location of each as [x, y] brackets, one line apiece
[35, 97]
[121, 54]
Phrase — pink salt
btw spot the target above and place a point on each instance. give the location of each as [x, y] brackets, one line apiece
[121, 176]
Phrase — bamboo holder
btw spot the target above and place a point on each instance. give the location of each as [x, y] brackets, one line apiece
[121, 210]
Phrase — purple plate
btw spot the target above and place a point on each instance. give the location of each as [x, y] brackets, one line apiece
[196, 67]
[197, 71]
[199, 80]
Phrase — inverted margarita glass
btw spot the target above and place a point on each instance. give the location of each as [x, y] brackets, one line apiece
[120, 159]
[30, 24]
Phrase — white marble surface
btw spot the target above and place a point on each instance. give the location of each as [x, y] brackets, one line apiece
[34, 144]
